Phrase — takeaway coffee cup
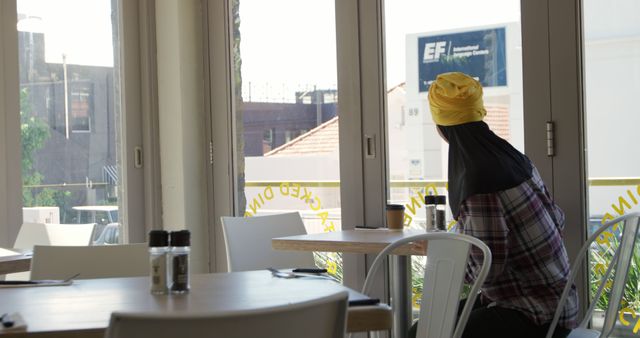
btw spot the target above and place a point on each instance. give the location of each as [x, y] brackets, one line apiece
[395, 216]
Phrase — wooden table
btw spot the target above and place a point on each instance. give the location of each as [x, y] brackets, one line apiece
[368, 241]
[15, 263]
[83, 308]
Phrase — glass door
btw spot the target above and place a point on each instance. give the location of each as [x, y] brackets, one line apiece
[286, 117]
[424, 39]
[612, 82]
[69, 112]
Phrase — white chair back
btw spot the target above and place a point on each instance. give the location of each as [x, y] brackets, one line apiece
[60, 262]
[447, 255]
[5, 252]
[31, 234]
[319, 318]
[248, 241]
[620, 262]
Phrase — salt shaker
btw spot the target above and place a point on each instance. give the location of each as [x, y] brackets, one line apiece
[180, 249]
[158, 252]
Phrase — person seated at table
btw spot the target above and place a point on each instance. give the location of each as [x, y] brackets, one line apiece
[496, 195]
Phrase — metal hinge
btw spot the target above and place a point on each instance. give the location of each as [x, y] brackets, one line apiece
[211, 152]
[551, 149]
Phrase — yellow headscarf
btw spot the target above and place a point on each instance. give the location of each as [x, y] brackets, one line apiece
[456, 98]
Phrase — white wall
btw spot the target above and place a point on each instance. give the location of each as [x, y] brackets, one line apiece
[181, 111]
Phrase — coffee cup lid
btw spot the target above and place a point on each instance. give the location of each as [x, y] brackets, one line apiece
[395, 207]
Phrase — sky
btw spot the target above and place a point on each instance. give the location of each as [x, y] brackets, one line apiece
[289, 42]
[294, 40]
[81, 29]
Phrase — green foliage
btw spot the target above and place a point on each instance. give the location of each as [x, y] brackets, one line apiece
[34, 133]
[600, 258]
[332, 261]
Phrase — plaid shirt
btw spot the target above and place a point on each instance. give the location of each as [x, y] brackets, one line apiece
[522, 226]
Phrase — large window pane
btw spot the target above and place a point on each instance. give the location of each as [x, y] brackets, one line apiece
[612, 83]
[68, 109]
[286, 113]
[423, 39]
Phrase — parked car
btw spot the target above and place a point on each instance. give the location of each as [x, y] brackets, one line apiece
[106, 219]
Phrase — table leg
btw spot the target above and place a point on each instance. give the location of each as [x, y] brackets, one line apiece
[401, 295]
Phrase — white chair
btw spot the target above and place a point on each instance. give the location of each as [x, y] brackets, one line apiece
[621, 260]
[60, 262]
[319, 318]
[248, 241]
[447, 255]
[31, 234]
[5, 252]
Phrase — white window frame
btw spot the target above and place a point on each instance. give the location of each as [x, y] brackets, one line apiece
[140, 202]
[552, 91]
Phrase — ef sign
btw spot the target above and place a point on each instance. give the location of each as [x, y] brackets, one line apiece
[433, 50]
[479, 53]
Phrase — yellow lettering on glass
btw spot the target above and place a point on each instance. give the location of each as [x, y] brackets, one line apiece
[607, 217]
[415, 204]
[599, 268]
[268, 193]
[318, 206]
[621, 204]
[284, 188]
[608, 284]
[254, 206]
[323, 216]
[621, 314]
[307, 197]
[407, 219]
[332, 267]
[417, 296]
[637, 327]
[633, 198]
[295, 190]
[603, 239]
[330, 227]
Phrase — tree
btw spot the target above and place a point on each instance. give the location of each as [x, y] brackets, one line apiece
[34, 133]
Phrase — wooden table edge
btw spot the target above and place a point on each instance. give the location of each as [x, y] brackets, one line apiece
[359, 319]
[344, 246]
[12, 264]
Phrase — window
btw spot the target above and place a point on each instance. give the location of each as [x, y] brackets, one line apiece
[81, 109]
[69, 112]
[424, 39]
[611, 49]
[287, 114]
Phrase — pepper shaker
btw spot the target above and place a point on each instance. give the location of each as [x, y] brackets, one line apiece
[180, 252]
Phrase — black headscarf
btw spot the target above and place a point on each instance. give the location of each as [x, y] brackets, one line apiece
[481, 162]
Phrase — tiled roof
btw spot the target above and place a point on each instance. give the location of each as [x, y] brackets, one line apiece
[498, 120]
[322, 139]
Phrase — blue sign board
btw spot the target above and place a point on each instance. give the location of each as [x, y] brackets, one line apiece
[481, 54]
